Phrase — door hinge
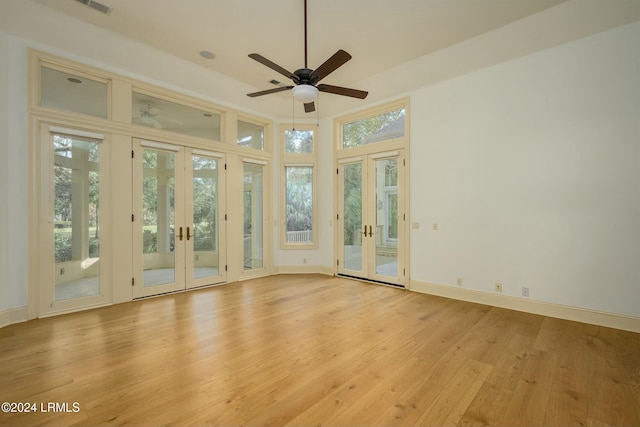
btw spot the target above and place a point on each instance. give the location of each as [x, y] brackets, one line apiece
[404, 162]
[404, 217]
[225, 166]
[132, 154]
[133, 218]
[404, 273]
[225, 268]
[338, 171]
[133, 281]
[338, 217]
[337, 262]
[225, 217]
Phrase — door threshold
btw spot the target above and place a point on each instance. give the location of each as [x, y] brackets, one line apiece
[377, 282]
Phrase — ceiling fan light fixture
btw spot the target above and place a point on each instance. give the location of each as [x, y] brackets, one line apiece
[305, 93]
[147, 118]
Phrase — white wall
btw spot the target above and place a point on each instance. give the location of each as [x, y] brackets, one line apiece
[13, 185]
[4, 144]
[530, 168]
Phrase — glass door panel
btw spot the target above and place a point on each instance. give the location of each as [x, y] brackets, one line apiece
[204, 256]
[76, 201]
[352, 225]
[159, 231]
[386, 217]
[253, 216]
[159, 217]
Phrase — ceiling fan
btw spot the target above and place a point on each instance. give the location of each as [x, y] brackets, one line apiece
[307, 80]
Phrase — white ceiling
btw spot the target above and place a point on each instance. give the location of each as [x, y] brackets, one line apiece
[383, 36]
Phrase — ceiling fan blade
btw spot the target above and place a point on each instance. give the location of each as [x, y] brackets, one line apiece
[268, 91]
[264, 61]
[309, 107]
[354, 93]
[330, 65]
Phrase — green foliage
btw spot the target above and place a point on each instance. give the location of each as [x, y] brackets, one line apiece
[360, 132]
[62, 243]
[352, 203]
[149, 241]
[299, 198]
[298, 141]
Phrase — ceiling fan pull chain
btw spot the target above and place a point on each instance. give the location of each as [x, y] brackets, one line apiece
[293, 113]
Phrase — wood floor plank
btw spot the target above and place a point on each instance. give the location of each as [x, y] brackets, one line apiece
[317, 350]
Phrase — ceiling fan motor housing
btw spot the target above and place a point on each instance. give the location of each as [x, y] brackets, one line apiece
[305, 77]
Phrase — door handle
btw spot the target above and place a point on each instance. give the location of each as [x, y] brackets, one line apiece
[188, 235]
[370, 231]
[180, 235]
[365, 230]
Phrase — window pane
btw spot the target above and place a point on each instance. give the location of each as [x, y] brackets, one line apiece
[69, 92]
[253, 211]
[387, 217]
[205, 217]
[299, 204]
[158, 217]
[298, 141]
[76, 176]
[352, 231]
[250, 135]
[373, 129]
[161, 114]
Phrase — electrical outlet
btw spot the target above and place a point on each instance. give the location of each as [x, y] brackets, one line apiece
[459, 281]
[525, 291]
[498, 287]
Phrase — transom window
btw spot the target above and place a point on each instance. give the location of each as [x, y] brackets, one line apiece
[381, 127]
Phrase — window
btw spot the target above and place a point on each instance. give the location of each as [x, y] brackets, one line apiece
[298, 177]
[154, 112]
[250, 135]
[73, 91]
[381, 127]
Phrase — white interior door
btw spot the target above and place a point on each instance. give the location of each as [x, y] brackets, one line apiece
[371, 218]
[177, 228]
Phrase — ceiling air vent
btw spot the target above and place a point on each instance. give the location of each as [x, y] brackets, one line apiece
[97, 6]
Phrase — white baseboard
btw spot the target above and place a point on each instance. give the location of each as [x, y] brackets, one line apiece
[578, 314]
[13, 315]
[302, 269]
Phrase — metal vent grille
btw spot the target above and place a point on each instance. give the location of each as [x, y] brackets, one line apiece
[96, 5]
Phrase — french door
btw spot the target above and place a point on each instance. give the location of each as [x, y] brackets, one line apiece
[371, 217]
[178, 203]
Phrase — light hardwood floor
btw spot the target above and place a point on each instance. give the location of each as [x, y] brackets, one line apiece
[317, 350]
